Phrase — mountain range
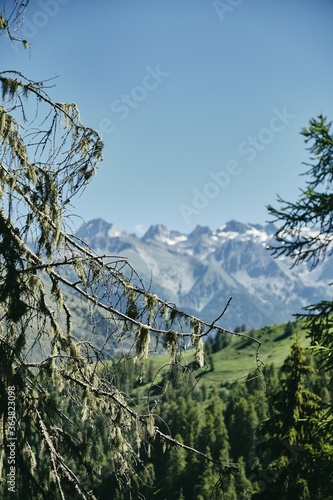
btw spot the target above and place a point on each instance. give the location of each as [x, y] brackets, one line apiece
[200, 271]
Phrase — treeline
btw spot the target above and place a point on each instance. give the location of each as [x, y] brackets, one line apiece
[267, 437]
[270, 432]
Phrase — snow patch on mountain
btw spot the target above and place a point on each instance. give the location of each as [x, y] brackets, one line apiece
[160, 233]
[201, 270]
[115, 232]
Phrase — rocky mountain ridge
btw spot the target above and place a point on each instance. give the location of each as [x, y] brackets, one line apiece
[201, 270]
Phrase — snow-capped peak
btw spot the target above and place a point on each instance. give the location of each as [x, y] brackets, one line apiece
[161, 233]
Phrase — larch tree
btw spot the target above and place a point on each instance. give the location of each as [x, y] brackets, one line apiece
[65, 425]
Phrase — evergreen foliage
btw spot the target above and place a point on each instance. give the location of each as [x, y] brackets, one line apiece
[306, 235]
[83, 426]
[77, 430]
[288, 443]
[292, 460]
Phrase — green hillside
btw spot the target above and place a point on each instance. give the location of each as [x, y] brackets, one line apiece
[245, 421]
[235, 361]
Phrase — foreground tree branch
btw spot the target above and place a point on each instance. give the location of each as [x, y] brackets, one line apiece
[73, 426]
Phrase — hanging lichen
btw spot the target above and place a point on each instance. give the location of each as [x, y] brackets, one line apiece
[164, 313]
[195, 326]
[170, 342]
[85, 409]
[80, 270]
[173, 314]
[132, 310]
[3, 119]
[57, 293]
[30, 457]
[142, 343]
[120, 444]
[95, 271]
[199, 350]
[149, 450]
[3, 23]
[151, 429]
[9, 87]
[73, 349]
[150, 300]
[138, 436]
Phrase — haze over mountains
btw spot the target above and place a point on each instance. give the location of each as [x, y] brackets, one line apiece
[200, 271]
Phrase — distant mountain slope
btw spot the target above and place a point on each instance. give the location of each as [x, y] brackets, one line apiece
[200, 271]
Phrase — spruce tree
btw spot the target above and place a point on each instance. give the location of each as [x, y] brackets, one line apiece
[306, 231]
[290, 450]
[305, 236]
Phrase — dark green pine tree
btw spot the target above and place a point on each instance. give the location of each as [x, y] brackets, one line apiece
[313, 210]
[242, 423]
[291, 448]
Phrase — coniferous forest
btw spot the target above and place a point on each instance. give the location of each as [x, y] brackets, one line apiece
[147, 401]
[268, 428]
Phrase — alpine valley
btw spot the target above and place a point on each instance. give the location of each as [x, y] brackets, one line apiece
[200, 271]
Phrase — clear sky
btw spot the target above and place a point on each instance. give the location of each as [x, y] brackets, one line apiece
[200, 103]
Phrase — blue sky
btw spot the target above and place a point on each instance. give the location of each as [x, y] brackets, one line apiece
[199, 103]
